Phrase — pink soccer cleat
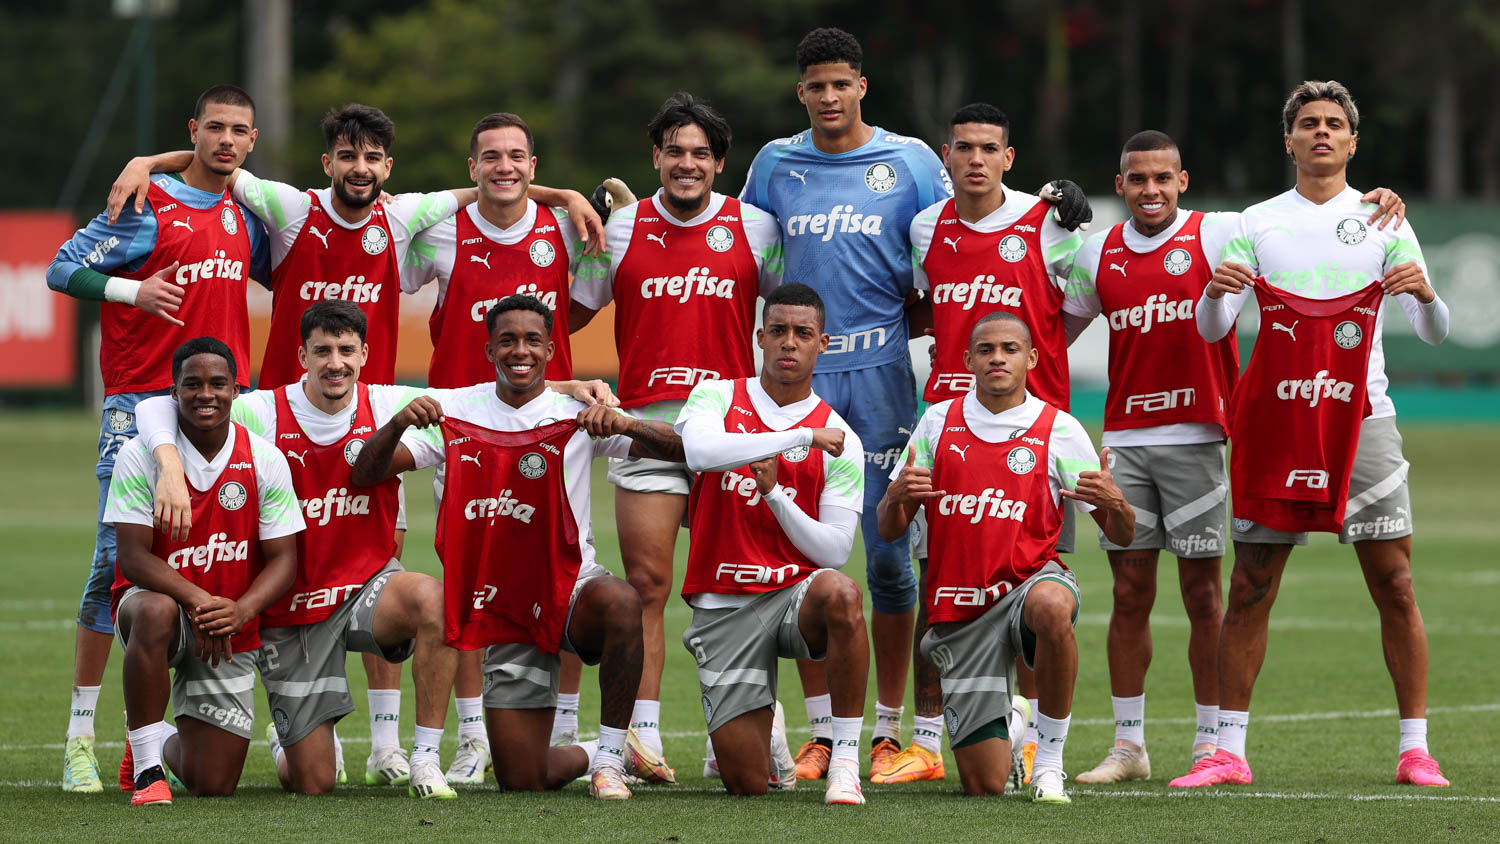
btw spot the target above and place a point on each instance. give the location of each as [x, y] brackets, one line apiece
[1222, 768]
[1417, 767]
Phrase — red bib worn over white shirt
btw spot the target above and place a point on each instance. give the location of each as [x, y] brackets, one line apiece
[1298, 408]
[484, 272]
[1161, 372]
[506, 536]
[351, 531]
[684, 305]
[997, 525]
[222, 551]
[736, 546]
[211, 248]
[973, 273]
[328, 261]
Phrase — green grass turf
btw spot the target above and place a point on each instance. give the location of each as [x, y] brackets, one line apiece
[1323, 740]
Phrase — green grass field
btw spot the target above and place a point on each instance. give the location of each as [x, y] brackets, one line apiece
[1322, 741]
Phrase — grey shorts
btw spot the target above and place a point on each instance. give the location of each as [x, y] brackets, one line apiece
[649, 475]
[1180, 495]
[519, 676]
[302, 666]
[737, 648]
[220, 696]
[977, 659]
[1379, 498]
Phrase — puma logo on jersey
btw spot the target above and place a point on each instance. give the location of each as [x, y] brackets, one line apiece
[801, 177]
[659, 238]
[1276, 326]
[953, 242]
[961, 452]
[301, 458]
[470, 458]
[475, 259]
[741, 426]
[186, 224]
[1120, 266]
[1212, 530]
[1315, 389]
[323, 236]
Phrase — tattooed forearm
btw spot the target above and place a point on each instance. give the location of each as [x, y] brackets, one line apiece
[656, 440]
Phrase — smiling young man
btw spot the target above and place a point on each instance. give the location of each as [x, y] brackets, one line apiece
[191, 601]
[1310, 453]
[995, 589]
[519, 575]
[172, 269]
[696, 260]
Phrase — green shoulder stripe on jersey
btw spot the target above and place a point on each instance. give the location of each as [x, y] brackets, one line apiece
[923, 448]
[773, 259]
[430, 211]
[261, 197]
[131, 493]
[706, 399]
[242, 413]
[277, 506]
[1240, 250]
[1070, 469]
[845, 478]
[419, 253]
[1402, 251]
[1064, 249]
[1080, 282]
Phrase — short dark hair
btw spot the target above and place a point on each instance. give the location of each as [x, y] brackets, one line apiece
[499, 120]
[335, 316]
[202, 346]
[797, 295]
[360, 126]
[1313, 90]
[981, 113]
[683, 109]
[230, 95]
[1000, 316]
[827, 45]
[517, 302]
[1149, 140]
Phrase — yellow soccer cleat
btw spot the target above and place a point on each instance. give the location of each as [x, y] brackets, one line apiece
[882, 751]
[914, 763]
[1028, 759]
[812, 760]
[80, 767]
[646, 763]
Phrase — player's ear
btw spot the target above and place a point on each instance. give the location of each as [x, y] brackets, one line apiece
[1182, 181]
[718, 165]
[193, 129]
[551, 349]
[822, 343]
[490, 353]
[1031, 358]
[254, 133]
[364, 353]
[944, 156]
[801, 94]
[1119, 185]
[327, 166]
[472, 175]
[864, 86]
[302, 349]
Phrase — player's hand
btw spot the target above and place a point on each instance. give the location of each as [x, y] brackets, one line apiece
[134, 180]
[173, 510]
[609, 195]
[385, 198]
[765, 474]
[1392, 210]
[1229, 277]
[1098, 488]
[587, 221]
[160, 296]
[600, 422]
[829, 440]
[422, 412]
[932, 349]
[211, 650]
[914, 484]
[1073, 211]
[1408, 278]
[220, 616]
[589, 392]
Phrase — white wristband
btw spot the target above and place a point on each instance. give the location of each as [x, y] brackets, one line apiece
[122, 290]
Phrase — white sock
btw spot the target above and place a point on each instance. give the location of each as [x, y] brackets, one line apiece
[1413, 734]
[338, 749]
[471, 719]
[274, 739]
[888, 721]
[846, 733]
[1232, 728]
[928, 732]
[1030, 737]
[590, 748]
[611, 750]
[1130, 719]
[1051, 734]
[820, 716]
[145, 747]
[645, 719]
[565, 718]
[425, 747]
[1208, 725]
[81, 714]
[385, 718]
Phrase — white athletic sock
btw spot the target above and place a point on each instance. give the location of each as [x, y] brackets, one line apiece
[81, 714]
[846, 733]
[590, 748]
[1130, 719]
[274, 740]
[1051, 734]
[471, 718]
[425, 747]
[1030, 737]
[1232, 728]
[820, 716]
[565, 718]
[1208, 725]
[611, 750]
[1413, 734]
[888, 721]
[928, 732]
[645, 719]
[385, 718]
[145, 747]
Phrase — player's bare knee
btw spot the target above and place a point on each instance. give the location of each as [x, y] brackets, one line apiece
[652, 587]
[842, 600]
[1132, 598]
[745, 785]
[1049, 613]
[620, 607]
[1203, 602]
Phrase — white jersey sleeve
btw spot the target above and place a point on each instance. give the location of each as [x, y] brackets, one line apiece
[431, 257]
[1059, 246]
[1430, 320]
[156, 417]
[923, 228]
[923, 444]
[594, 285]
[765, 243]
[1072, 454]
[710, 448]
[280, 514]
[1215, 232]
[413, 213]
[280, 206]
[132, 488]
[1081, 296]
[568, 231]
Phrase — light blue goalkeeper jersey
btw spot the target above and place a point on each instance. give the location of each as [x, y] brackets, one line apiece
[845, 222]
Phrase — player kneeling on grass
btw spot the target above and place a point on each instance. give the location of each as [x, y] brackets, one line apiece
[193, 603]
[774, 510]
[995, 588]
[519, 579]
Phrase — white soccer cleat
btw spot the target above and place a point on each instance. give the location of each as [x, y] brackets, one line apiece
[1047, 786]
[1123, 763]
[711, 763]
[470, 762]
[427, 782]
[609, 784]
[843, 784]
[566, 738]
[783, 766]
[387, 766]
[1015, 725]
[340, 773]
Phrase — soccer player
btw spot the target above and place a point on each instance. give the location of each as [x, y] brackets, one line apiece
[844, 193]
[173, 271]
[995, 588]
[1284, 249]
[519, 576]
[693, 259]
[773, 514]
[191, 602]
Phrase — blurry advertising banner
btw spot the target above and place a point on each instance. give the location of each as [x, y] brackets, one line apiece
[38, 327]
